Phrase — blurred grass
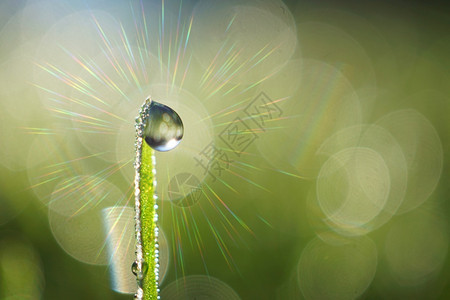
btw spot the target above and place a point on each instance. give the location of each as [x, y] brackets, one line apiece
[418, 35]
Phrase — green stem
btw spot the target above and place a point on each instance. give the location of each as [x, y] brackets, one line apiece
[148, 223]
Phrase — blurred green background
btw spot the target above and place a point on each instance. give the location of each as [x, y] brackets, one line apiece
[313, 166]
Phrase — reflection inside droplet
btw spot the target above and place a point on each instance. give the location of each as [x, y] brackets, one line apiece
[163, 127]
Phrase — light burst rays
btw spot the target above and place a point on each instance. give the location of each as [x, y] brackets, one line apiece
[229, 64]
[67, 170]
[174, 30]
[87, 95]
[188, 227]
[127, 56]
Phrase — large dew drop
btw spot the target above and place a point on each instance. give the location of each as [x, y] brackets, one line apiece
[163, 129]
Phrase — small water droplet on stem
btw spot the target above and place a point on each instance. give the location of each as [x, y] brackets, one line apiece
[139, 274]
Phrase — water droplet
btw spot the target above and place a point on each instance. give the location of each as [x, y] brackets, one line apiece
[163, 129]
[134, 268]
[139, 275]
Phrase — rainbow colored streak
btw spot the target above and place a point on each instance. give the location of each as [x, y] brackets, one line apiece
[128, 55]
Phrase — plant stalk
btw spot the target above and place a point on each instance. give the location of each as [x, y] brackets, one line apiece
[146, 264]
